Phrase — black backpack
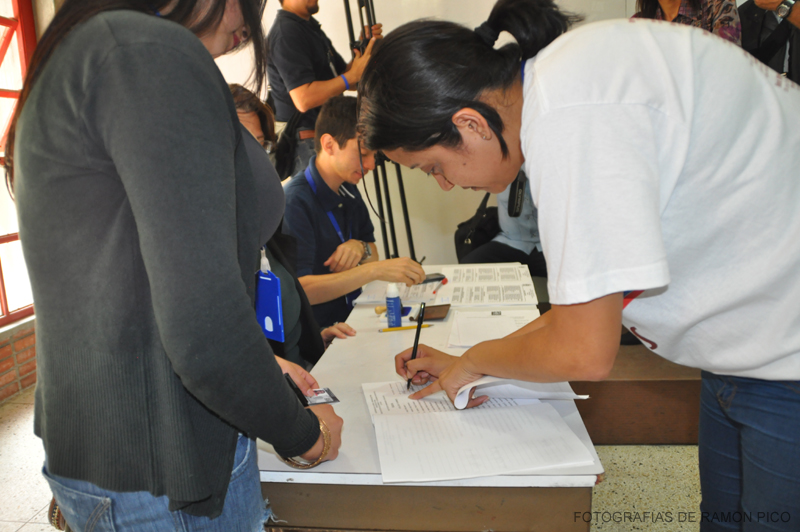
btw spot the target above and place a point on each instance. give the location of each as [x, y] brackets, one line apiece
[478, 230]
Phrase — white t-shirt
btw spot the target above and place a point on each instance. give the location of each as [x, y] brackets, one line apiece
[665, 159]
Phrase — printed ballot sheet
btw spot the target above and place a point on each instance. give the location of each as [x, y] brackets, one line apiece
[392, 398]
[433, 446]
[470, 328]
[487, 284]
[467, 284]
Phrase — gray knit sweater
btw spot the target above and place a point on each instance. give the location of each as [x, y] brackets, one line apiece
[139, 227]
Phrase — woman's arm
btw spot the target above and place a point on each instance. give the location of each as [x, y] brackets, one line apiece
[571, 342]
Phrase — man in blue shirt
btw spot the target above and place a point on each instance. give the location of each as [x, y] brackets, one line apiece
[336, 252]
[305, 70]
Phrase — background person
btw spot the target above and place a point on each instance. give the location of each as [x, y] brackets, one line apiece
[772, 38]
[305, 70]
[336, 252]
[154, 376]
[646, 183]
[518, 240]
[720, 17]
[281, 249]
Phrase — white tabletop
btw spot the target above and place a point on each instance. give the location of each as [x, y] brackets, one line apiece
[369, 357]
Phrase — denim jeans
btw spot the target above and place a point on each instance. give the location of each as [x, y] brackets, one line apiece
[749, 448]
[88, 508]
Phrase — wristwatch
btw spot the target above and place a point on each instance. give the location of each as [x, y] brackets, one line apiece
[367, 251]
[785, 8]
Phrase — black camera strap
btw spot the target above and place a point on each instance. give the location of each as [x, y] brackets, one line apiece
[516, 195]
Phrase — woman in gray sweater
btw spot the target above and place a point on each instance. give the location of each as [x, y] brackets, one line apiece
[140, 227]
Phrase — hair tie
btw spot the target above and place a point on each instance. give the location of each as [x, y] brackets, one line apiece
[487, 34]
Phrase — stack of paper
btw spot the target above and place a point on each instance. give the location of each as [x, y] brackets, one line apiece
[470, 328]
[474, 284]
[428, 440]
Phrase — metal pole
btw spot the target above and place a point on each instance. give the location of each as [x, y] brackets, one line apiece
[404, 204]
[349, 19]
[381, 214]
[382, 166]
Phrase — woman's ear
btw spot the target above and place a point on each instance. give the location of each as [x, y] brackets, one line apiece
[470, 121]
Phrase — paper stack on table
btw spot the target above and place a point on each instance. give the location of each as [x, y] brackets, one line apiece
[470, 328]
[467, 284]
[428, 440]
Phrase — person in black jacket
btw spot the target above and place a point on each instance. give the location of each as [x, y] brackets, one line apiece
[773, 40]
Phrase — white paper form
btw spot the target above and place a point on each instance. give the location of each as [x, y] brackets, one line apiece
[496, 387]
[392, 398]
[470, 328]
[375, 294]
[487, 284]
[474, 443]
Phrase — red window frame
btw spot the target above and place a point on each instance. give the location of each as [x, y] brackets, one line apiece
[22, 27]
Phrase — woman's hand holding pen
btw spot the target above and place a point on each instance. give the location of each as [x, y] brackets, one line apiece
[449, 373]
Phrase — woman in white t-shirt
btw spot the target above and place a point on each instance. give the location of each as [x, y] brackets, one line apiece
[664, 165]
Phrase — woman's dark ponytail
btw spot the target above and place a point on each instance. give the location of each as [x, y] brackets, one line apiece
[533, 23]
[425, 71]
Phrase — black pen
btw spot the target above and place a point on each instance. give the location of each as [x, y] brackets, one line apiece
[420, 317]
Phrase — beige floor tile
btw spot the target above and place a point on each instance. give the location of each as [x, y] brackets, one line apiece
[25, 397]
[662, 480]
[43, 516]
[6, 526]
[35, 527]
[21, 458]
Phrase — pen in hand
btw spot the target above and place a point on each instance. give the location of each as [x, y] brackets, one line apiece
[416, 337]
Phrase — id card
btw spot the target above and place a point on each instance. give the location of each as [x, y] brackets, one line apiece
[322, 396]
[269, 310]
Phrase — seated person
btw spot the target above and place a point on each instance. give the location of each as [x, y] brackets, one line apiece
[518, 239]
[336, 252]
[257, 133]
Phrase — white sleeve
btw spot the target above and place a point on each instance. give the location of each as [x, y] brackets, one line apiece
[595, 180]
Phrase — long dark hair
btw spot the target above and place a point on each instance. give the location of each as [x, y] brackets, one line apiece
[74, 12]
[648, 8]
[425, 71]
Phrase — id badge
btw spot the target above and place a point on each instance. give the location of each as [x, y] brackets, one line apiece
[269, 310]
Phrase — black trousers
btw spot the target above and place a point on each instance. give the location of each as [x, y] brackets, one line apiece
[497, 252]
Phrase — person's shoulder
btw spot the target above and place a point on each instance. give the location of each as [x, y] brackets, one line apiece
[297, 190]
[135, 28]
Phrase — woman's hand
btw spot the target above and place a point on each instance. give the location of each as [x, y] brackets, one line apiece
[337, 330]
[449, 373]
[301, 377]
[455, 375]
[334, 423]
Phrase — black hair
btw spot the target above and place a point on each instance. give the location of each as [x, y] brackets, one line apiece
[648, 8]
[247, 102]
[425, 71]
[337, 118]
[184, 12]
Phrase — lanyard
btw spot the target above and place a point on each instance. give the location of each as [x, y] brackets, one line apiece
[332, 218]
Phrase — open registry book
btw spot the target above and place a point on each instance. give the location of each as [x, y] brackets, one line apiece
[429, 440]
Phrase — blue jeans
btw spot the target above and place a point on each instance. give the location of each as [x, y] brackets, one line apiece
[749, 448]
[88, 508]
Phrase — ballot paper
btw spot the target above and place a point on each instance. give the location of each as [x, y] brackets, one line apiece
[496, 387]
[467, 284]
[392, 398]
[470, 328]
[487, 284]
[434, 446]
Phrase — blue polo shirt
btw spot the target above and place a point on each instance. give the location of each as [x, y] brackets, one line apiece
[307, 220]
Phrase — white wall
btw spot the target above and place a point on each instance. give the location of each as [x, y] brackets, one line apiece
[434, 214]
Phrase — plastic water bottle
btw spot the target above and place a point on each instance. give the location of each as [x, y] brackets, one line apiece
[394, 307]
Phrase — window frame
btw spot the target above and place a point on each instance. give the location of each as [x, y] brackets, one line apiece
[23, 27]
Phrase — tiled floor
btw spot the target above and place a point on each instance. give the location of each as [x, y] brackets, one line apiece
[25, 494]
[660, 480]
